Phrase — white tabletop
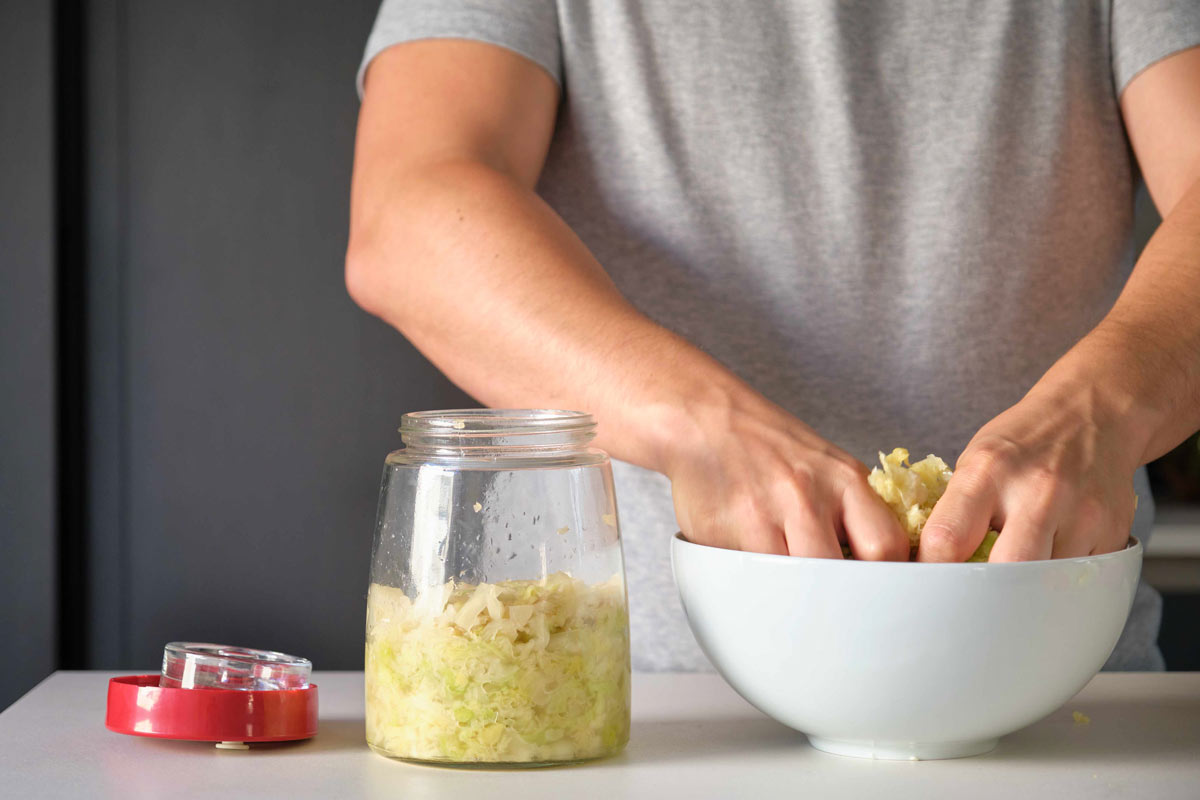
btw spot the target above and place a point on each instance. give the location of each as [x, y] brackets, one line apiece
[692, 738]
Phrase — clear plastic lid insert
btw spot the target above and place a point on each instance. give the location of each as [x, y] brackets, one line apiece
[200, 665]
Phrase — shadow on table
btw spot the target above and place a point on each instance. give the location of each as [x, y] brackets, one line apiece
[1119, 730]
[657, 741]
[698, 740]
[332, 735]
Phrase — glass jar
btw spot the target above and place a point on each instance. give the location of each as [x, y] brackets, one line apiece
[497, 619]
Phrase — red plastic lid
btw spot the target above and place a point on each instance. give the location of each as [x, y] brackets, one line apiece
[137, 705]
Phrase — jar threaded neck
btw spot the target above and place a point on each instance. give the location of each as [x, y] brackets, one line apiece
[497, 432]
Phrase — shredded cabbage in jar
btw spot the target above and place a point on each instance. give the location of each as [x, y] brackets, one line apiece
[912, 490]
[517, 671]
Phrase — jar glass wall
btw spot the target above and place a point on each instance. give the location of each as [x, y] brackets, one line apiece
[497, 624]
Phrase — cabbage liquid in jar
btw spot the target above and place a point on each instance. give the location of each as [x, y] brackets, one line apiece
[497, 623]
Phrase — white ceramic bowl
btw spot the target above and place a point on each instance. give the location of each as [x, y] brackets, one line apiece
[904, 660]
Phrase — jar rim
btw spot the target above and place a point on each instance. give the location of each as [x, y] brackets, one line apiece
[497, 431]
[470, 423]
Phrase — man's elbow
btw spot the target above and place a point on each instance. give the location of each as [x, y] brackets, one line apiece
[385, 237]
[389, 238]
[365, 279]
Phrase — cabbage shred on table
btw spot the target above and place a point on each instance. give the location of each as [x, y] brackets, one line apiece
[516, 671]
[912, 490]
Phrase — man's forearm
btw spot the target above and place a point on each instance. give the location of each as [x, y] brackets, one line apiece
[1141, 364]
[491, 285]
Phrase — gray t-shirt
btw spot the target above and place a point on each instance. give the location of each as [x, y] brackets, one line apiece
[889, 217]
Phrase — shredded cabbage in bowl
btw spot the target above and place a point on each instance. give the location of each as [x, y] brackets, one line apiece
[912, 490]
[514, 672]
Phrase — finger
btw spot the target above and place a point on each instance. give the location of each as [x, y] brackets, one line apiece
[738, 525]
[1122, 528]
[1109, 545]
[1072, 542]
[871, 529]
[1082, 529]
[1115, 538]
[763, 538]
[960, 519]
[810, 535]
[755, 532]
[1027, 535]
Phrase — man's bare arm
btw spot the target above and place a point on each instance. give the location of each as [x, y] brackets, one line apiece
[1054, 472]
[450, 244]
[1158, 314]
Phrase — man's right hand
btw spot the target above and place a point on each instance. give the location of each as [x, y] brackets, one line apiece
[758, 479]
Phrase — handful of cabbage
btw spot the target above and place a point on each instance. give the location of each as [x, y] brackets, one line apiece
[912, 490]
[513, 672]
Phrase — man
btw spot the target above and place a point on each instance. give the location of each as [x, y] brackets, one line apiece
[763, 241]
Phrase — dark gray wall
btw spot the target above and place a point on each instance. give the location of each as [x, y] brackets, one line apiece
[242, 405]
[27, 444]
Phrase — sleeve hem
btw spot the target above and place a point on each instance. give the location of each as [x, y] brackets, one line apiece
[1145, 39]
[525, 41]
[1165, 53]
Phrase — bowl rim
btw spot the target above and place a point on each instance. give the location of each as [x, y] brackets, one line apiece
[1132, 548]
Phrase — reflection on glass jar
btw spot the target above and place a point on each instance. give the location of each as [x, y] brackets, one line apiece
[497, 624]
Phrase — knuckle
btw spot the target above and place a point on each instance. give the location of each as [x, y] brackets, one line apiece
[939, 538]
[973, 481]
[845, 473]
[1042, 496]
[802, 496]
[748, 517]
[1045, 481]
[870, 550]
[746, 501]
[803, 480]
[990, 456]
[783, 488]
[880, 550]
[1039, 512]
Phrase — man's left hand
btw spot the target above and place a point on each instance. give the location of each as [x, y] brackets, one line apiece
[1053, 474]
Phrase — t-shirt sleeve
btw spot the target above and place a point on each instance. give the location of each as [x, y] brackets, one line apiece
[1146, 31]
[527, 27]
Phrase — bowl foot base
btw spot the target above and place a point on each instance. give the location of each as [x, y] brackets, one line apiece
[902, 750]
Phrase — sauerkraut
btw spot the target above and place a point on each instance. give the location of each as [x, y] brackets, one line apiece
[912, 490]
[512, 672]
